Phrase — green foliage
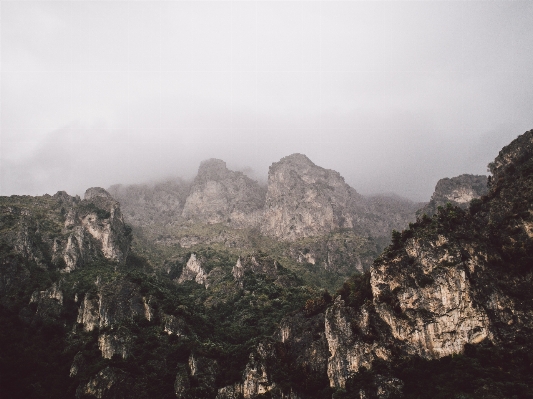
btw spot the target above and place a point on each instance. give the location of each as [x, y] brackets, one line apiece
[356, 290]
[483, 371]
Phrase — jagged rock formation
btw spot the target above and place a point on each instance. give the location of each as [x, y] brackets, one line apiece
[460, 278]
[49, 302]
[348, 351]
[255, 264]
[111, 344]
[113, 303]
[301, 200]
[193, 271]
[458, 191]
[220, 195]
[306, 200]
[97, 219]
[61, 231]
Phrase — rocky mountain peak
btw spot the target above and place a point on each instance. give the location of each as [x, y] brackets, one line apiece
[95, 192]
[221, 195]
[213, 169]
[304, 199]
[300, 166]
[458, 191]
[296, 160]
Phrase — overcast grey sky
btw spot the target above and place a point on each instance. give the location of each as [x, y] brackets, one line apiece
[394, 95]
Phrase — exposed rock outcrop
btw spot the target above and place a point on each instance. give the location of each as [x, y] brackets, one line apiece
[111, 344]
[94, 227]
[113, 303]
[220, 195]
[193, 270]
[49, 302]
[457, 279]
[344, 328]
[174, 325]
[306, 200]
[458, 191]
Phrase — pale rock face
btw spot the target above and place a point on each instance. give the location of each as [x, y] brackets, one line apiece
[114, 302]
[458, 191]
[348, 351]
[49, 302]
[257, 265]
[238, 271]
[88, 313]
[76, 250]
[111, 344]
[440, 315]
[305, 200]
[193, 271]
[306, 258]
[219, 195]
[103, 384]
[96, 192]
[94, 226]
[255, 377]
[174, 325]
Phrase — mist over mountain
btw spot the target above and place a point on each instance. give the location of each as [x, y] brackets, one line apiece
[392, 95]
[223, 288]
[266, 200]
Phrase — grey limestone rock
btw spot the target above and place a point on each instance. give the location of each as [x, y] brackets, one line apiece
[457, 191]
[219, 195]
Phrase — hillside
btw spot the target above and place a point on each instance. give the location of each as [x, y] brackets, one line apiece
[91, 307]
[306, 217]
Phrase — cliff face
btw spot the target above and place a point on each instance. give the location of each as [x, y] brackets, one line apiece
[220, 195]
[306, 200]
[453, 280]
[94, 226]
[459, 279]
[62, 231]
[458, 191]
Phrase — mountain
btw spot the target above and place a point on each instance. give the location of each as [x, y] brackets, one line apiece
[458, 191]
[91, 307]
[84, 315]
[220, 195]
[307, 216]
[445, 311]
[305, 200]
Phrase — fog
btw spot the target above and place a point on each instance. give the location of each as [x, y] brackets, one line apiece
[393, 95]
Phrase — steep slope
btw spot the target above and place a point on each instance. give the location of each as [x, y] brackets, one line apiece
[458, 284]
[112, 326]
[306, 200]
[221, 195]
[458, 191]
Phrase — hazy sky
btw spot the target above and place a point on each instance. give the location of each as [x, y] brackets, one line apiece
[394, 95]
